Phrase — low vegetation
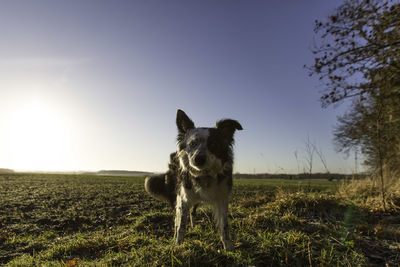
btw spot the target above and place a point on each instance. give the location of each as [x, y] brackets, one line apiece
[78, 220]
[368, 193]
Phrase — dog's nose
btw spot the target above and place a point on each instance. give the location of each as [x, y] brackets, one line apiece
[200, 160]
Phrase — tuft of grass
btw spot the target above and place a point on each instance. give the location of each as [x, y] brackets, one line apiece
[367, 192]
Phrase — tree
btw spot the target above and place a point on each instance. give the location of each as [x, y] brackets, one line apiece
[373, 125]
[369, 125]
[358, 56]
[360, 38]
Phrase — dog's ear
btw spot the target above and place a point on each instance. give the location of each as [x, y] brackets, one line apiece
[228, 128]
[183, 122]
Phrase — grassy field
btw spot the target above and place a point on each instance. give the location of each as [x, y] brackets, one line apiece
[77, 220]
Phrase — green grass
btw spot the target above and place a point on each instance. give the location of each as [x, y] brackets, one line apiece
[78, 220]
[291, 184]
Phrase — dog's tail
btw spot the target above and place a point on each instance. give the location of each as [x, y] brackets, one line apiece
[160, 188]
[155, 186]
[163, 186]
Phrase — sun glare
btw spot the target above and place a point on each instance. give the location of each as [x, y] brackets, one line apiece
[37, 137]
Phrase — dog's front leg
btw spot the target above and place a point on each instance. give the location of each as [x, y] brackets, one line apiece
[192, 215]
[221, 219]
[182, 209]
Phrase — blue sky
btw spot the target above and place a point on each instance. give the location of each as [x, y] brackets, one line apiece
[90, 85]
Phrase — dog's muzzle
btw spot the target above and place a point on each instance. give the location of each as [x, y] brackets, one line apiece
[200, 160]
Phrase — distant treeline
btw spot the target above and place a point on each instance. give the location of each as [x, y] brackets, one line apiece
[328, 176]
[123, 173]
[3, 170]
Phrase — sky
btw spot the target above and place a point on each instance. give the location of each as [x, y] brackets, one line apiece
[93, 85]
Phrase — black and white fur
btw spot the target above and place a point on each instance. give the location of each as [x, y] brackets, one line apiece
[199, 171]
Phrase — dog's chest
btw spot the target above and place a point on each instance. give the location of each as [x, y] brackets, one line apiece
[208, 189]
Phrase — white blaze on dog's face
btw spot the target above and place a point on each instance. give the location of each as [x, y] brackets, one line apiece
[205, 151]
[195, 156]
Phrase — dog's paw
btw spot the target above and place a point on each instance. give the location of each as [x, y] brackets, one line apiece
[228, 246]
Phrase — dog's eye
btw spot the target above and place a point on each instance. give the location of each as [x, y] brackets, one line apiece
[193, 144]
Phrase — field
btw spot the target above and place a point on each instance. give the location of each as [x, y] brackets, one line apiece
[77, 220]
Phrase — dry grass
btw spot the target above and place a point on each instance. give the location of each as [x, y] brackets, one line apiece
[367, 192]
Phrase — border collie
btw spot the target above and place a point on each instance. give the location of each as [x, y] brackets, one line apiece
[199, 171]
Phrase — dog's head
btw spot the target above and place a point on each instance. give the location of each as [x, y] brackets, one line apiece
[205, 151]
